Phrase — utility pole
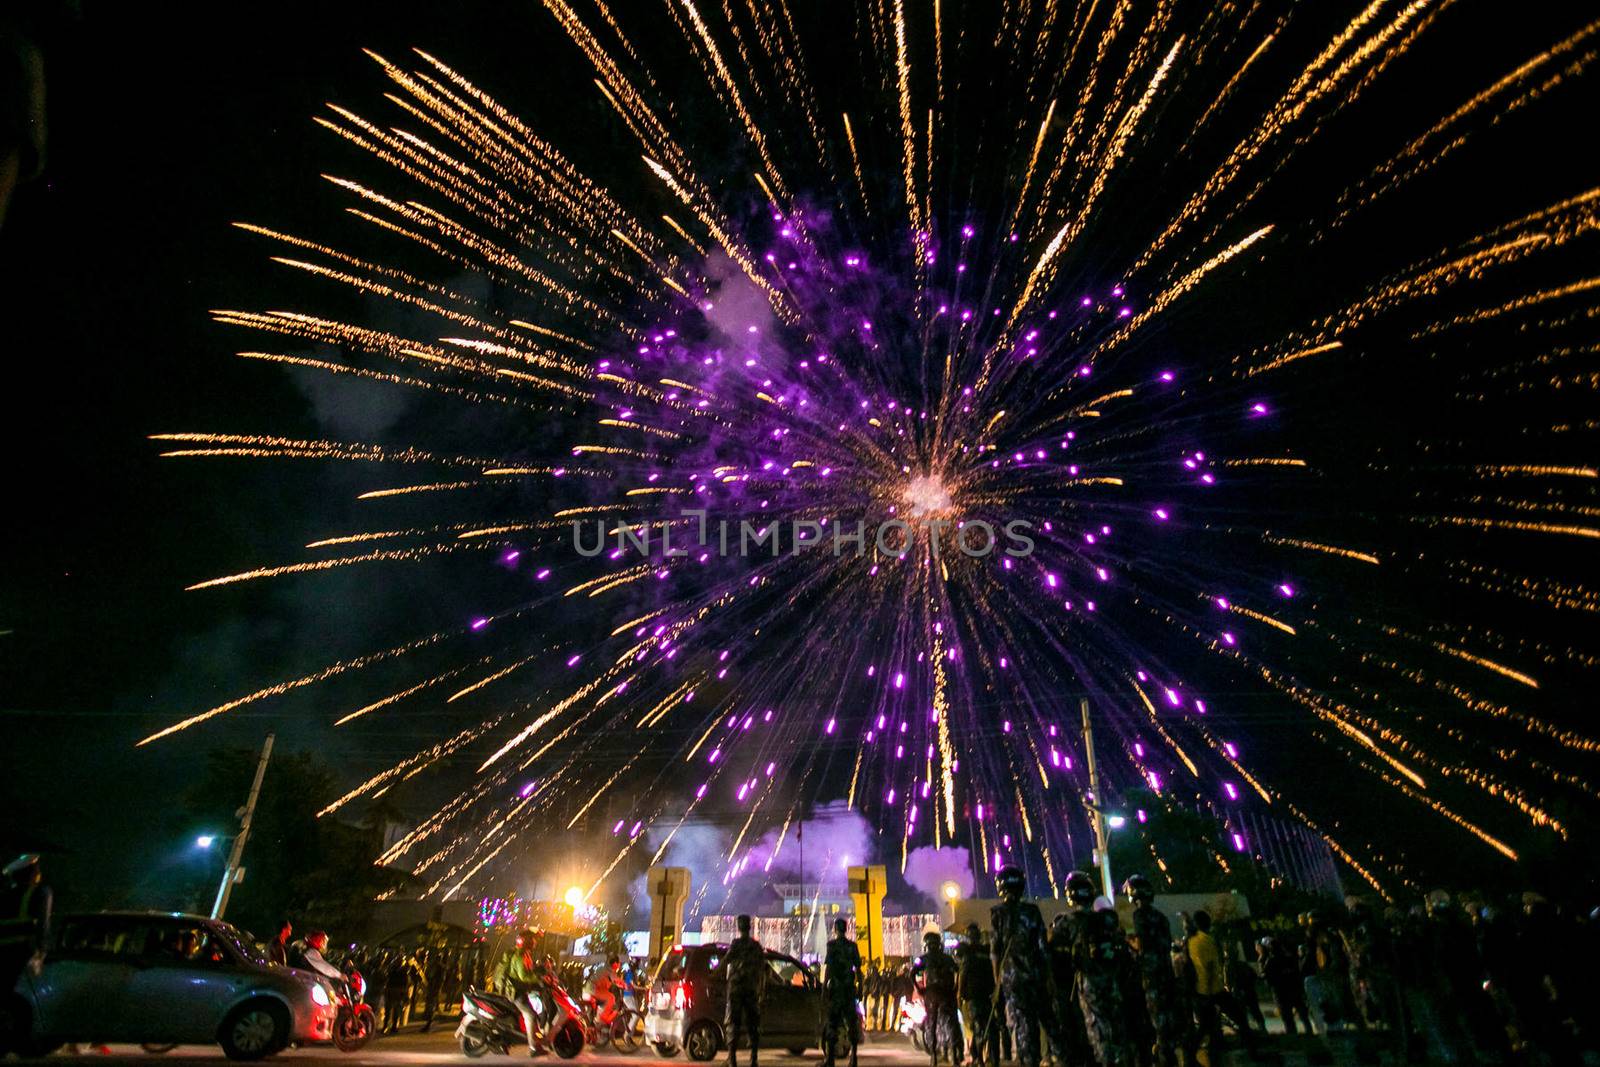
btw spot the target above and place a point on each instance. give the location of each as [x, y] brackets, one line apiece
[233, 872]
[1102, 846]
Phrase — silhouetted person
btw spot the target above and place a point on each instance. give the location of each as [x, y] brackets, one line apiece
[747, 970]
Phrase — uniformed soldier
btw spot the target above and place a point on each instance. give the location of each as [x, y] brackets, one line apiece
[747, 970]
[976, 991]
[1017, 948]
[1074, 1048]
[1151, 941]
[841, 969]
[1100, 961]
[934, 973]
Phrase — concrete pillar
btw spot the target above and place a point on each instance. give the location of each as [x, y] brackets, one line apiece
[867, 888]
[669, 892]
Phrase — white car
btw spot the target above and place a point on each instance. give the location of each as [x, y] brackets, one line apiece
[152, 978]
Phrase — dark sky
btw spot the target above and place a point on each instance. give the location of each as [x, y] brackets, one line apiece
[169, 122]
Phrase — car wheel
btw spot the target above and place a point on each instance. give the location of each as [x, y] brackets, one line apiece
[796, 1050]
[254, 1030]
[665, 1049]
[700, 1043]
[158, 1049]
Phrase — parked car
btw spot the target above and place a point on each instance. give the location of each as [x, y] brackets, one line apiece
[690, 993]
[163, 979]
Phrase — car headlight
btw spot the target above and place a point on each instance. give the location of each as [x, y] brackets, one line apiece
[319, 994]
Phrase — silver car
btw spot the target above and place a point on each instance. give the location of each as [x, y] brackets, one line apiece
[154, 978]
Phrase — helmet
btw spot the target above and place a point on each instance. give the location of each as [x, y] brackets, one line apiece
[973, 933]
[1138, 889]
[931, 942]
[525, 937]
[1080, 888]
[317, 939]
[1012, 882]
[1438, 900]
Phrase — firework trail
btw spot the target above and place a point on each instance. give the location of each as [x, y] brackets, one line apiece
[977, 267]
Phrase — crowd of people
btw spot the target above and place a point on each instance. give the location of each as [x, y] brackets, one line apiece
[404, 985]
[1446, 981]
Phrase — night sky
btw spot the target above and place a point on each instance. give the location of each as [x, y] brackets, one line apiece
[167, 125]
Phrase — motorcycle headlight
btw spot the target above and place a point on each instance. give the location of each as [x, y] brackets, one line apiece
[319, 994]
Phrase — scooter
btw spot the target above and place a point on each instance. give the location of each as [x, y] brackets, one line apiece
[490, 1021]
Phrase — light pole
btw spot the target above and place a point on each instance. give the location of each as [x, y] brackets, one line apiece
[233, 872]
[1102, 844]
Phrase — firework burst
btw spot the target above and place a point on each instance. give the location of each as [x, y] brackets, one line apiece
[970, 278]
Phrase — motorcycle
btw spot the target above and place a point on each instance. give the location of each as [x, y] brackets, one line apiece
[356, 1024]
[491, 1021]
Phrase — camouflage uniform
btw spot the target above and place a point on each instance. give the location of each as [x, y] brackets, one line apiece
[1101, 961]
[1017, 944]
[1162, 1001]
[840, 967]
[1074, 1047]
[976, 990]
[747, 970]
[935, 972]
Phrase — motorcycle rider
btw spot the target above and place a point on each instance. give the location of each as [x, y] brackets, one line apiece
[840, 977]
[1016, 946]
[520, 976]
[935, 974]
[1151, 941]
[310, 958]
[746, 964]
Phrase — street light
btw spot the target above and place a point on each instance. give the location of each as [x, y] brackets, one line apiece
[951, 891]
[205, 840]
[1116, 822]
[574, 897]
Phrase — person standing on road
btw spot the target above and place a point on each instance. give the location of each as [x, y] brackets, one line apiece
[935, 973]
[975, 989]
[841, 967]
[1101, 966]
[1282, 975]
[1151, 941]
[1074, 1049]
[1211, 993]
[746, 965]
[25, 920]
[1017, 949]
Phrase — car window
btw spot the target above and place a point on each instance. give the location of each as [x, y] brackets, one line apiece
[103, 935]
[188, 943]
[671, 967]
[787, 971]
[245, 945]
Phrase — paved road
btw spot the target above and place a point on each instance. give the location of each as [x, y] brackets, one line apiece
[440, 1047]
